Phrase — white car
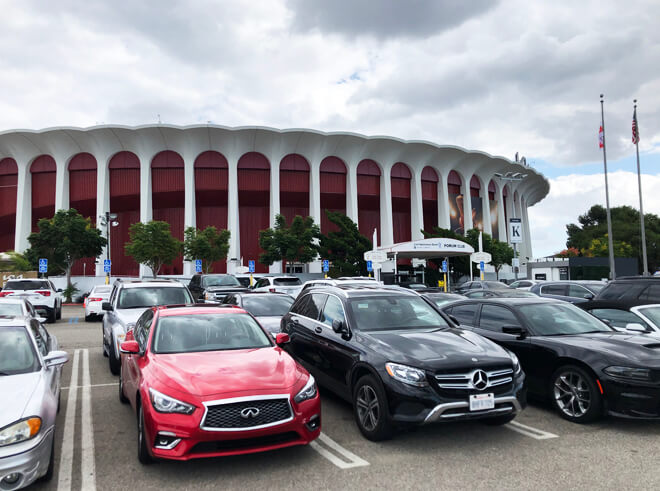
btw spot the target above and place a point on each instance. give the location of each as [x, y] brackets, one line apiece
[291, 285]
[41, 293]
[524, 284]
[94, 301]
[344, 280]
[18, 307]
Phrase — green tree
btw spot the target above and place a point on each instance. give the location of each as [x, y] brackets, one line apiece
[345, 248]
[600, 248]
[64, 239]
[209, 245]
[295, 243]
[502, 253]
[152, 244]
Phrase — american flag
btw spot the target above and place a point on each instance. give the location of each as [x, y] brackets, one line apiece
[635, 128]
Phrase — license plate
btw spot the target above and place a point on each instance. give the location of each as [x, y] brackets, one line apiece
[481, 402]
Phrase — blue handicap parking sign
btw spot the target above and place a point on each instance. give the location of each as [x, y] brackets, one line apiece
[198, 265]
[482, 265]
[107, 264]
[370, 266]
[444, 266]
[251, 265]
[326, 265]
[43, 265]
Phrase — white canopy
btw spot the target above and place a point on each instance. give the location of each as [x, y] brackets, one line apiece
[428, 249]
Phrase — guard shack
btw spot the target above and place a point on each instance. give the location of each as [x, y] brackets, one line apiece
[424, 249]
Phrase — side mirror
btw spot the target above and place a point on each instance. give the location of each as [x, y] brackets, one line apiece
[282, 338]
[129, 348]
[106, 306]
[59, 290]
[42, 320]
[453, 319]
[56, 358]
[338, 326]
[635, 327]
[589, 296]
[521, 332]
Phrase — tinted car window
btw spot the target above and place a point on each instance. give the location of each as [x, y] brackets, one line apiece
[554, 289]
[332, 311]
[477, 294]
[262, 305]
[17, 353]
[142, 328]
[561, 318]
[287, 281]
[465, 313]
[223, 280]
[617, 317]
[614, 291]
[651, 292]
[495, 285]
[493, 317]
[40, 337]
[134, 298]
[440, 299]
[579, 292]
[316, 305]
[27, 285]
[301, 305]
[262, 282]
[390, 313]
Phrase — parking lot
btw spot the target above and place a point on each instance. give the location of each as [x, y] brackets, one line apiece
[96, 446]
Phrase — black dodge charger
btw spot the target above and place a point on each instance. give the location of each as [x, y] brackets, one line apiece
[400, 361]
[584, 367]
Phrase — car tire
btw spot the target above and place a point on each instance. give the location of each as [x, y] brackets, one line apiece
[113, 361]
[122, 398]
[574, 394]
[51, 465]
[59, 313]
[370, 409]
[499, 420]
[88, 318]
[52, 317]
[143, 450]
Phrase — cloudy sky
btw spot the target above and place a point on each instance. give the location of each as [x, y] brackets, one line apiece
[502, 77]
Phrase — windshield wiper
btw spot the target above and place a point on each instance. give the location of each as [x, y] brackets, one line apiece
[5, 373]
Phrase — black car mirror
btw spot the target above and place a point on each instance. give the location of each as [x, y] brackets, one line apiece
[338, 326]
[589, 296]
[59, 290]
[454, 319]
[106, 306]
[521, 332]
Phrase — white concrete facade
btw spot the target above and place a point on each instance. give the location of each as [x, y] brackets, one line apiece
[103, 142]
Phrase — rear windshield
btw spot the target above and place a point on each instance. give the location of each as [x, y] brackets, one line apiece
[102, 289]
[17, 353]
[208, 332]
[495, 285]
[135, 298]
[264, 305]
[224, 280]
[287, 281]
[27, 285]
[11, 310]
[395, 313]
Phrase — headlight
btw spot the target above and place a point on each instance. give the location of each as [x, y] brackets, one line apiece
[167, 404]
[516, 363]
[19, 432]
[407, 375]
[120, 339]
[209, 296]
[307, 392]
[629, 373]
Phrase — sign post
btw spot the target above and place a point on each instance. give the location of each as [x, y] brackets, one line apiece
[326, 267]
[482, 266]
[515, 237]
[251, 270]
[43, 265]
[107, 267]
[370, 267]
[445, 267]
[198, 265]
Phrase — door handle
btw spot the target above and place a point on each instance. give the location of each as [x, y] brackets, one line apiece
[318, 330]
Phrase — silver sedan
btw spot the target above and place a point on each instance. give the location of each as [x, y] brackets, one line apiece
[30, 371]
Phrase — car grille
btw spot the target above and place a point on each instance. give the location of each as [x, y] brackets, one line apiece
[246, 415]
[498, 381]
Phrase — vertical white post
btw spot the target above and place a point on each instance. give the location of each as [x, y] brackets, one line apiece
[274, 204]
[189, 214]
[233, 224]
[416, 206]
[386, 228]
[23, 207]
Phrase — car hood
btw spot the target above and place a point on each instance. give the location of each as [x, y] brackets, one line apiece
[21, 387]
[270, 322]
[639, 348]
[223, 289]
[438, 349]
[212, 373]
[129, 316]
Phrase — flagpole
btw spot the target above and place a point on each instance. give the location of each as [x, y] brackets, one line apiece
[610, 241]
[639, 183]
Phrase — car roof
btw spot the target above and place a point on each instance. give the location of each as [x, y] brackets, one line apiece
[353, 290]
[637, 278]
[166, 283]
[263, 294]
[625, 304]
[196, 310]
[513, 300]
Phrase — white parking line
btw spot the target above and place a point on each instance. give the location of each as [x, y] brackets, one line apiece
[348, 460]
[530, 432]
[88, 466]
[66, 458]
[93, 385]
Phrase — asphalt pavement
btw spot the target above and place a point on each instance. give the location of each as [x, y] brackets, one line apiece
[96, 446]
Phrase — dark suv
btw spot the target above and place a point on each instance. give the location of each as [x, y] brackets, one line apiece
[399, 361]
[645, 289]
[212, 288]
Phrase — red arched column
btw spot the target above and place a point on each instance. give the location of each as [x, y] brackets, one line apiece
[125, 202]
[43, 170]
[492, 209]
[455, 202]
[211, 180]
[400, 177]
[82, 198]
[368, 185]
[476, 204]
[333, 190]
[253, 205]
[8, 183]
[430, 198]
[168, 198]
[294, 187]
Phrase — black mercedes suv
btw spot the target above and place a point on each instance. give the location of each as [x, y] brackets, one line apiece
[399, 361]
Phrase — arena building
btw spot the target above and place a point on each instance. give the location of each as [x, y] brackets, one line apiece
[241, 178]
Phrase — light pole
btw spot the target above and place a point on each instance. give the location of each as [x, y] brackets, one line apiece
[107, 220]
[512, 177]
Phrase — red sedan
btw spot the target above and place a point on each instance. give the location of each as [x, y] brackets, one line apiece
[209, 381]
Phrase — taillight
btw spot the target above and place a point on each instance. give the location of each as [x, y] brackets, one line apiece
[4, 294]
[94, 299]
[45, 293]
[272, 290]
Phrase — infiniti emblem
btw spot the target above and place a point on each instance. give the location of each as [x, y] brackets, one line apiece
[249, 412]
[480, 380]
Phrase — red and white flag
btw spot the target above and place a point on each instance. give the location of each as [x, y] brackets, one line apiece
[635, 129]
[601, 137]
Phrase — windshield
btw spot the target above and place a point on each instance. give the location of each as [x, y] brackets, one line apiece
[560, 319]
[136, 298]
[11, 309]
[16, 352]
[287, 281]
[440, 299]
[27, 285]
[221, 280]
[263, 305]
[208, 332]
[394, 312]
[496, 285]
[653, 313]
[596, 287]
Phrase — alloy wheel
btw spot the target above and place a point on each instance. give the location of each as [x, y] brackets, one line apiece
[367, 407]
[572, 394]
